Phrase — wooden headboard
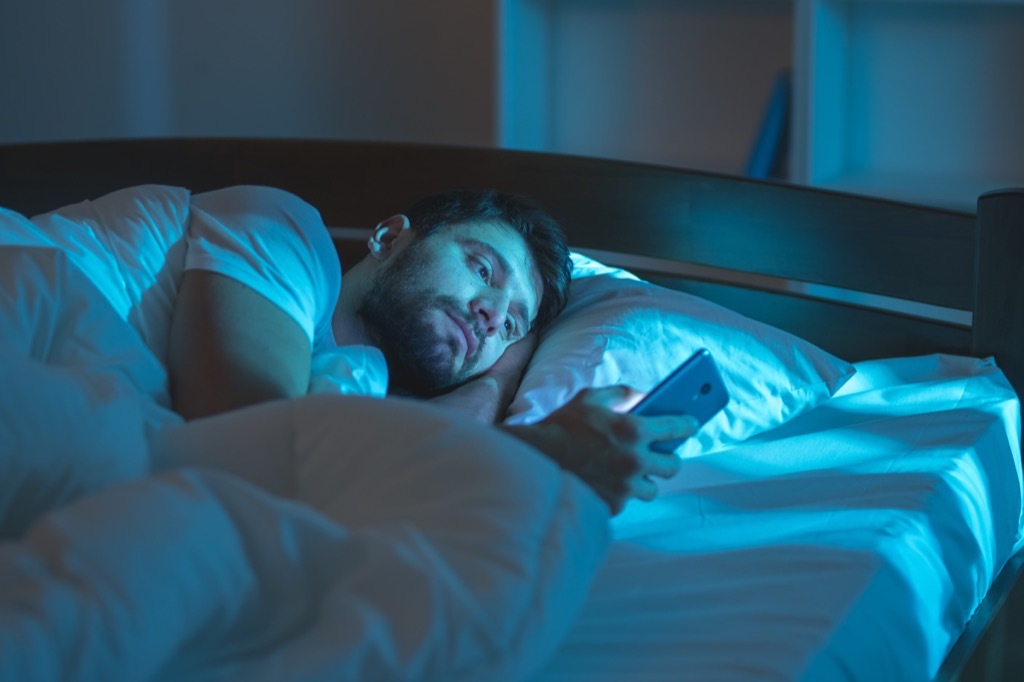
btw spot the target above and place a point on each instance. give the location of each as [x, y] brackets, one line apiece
[836, 269]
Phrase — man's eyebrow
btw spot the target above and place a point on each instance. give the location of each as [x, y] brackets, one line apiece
[492, 253]
[519, 310]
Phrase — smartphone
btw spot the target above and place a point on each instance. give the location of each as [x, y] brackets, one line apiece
[695, 388]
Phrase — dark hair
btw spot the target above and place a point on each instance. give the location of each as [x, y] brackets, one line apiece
[543, 235]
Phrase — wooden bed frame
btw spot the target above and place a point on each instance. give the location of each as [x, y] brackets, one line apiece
[860, 277]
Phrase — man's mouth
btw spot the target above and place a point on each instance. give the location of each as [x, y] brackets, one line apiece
[472, 342]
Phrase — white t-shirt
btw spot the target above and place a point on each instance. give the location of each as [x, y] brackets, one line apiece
[274, 243]
[136, 243]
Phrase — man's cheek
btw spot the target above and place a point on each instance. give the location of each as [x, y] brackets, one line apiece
[489, 357]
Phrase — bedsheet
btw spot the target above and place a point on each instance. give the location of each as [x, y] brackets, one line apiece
[853, 543]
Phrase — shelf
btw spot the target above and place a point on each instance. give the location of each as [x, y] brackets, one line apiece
[914, 100]
[672, 82]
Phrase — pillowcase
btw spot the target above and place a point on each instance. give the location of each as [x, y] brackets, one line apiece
[618, 328]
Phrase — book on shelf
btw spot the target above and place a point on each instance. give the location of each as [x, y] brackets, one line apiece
[769, 154]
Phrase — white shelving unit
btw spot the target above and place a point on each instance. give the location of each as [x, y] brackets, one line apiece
[917, 100]
[680, 82]
[910, 99]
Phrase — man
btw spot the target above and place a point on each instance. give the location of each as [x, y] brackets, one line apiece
[239, 294]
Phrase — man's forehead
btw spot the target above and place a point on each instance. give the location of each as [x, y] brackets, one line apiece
[480, 228]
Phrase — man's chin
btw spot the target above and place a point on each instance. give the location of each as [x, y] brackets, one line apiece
[422, 381]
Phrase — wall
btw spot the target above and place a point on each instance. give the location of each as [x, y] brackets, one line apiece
[663, 81]
[386, 69]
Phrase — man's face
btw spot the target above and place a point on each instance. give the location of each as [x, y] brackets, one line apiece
[444, 308]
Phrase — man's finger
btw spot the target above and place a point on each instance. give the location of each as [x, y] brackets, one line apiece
[670, 427]
[662, 465]
[624, 463]
[614, 494]
[643, 488]
[618, 397]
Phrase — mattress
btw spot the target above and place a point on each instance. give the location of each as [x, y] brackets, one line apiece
[854, 542]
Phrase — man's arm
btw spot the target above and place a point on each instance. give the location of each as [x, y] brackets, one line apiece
[592, 435]
[230, 347]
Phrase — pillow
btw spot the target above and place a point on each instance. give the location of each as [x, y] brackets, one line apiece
[618, 328]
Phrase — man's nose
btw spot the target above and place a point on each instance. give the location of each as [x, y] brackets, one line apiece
[490, 309]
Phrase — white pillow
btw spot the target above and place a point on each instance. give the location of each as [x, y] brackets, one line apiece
[620, 329]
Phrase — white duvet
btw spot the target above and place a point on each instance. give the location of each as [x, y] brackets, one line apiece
[331, 537]
[460, 557]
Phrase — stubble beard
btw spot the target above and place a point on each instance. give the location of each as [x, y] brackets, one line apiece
[396, 315]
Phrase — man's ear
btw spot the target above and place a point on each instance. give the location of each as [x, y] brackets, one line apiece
[382, 239]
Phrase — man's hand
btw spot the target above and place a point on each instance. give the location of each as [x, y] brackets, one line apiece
[594, 438]
[487, 397]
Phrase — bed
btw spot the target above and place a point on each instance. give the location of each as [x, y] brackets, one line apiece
[856, 515]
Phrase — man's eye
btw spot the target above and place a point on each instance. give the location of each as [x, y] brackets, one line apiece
[483, 270]
[508, 325]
